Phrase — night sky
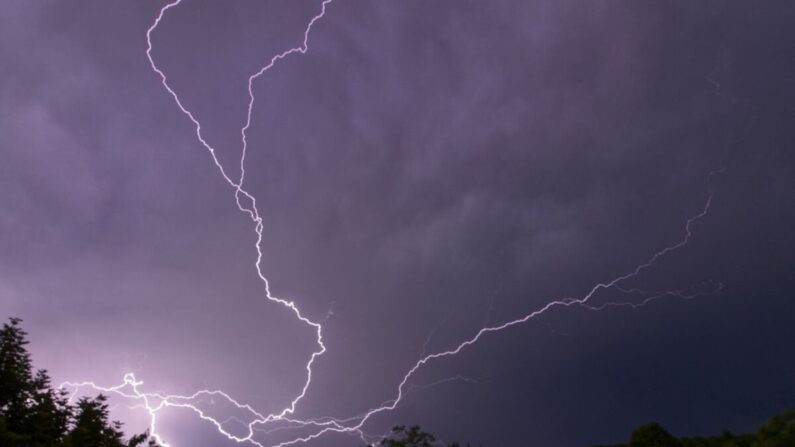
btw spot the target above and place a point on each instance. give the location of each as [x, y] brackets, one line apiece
[427, 168]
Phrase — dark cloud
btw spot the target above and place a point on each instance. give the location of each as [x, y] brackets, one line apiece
[424, 168]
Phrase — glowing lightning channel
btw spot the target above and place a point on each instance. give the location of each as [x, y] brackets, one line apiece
[153, 403]
[239, 191]
[563, 302]
[250, 209]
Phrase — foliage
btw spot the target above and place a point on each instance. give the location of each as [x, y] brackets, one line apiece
[402, 436]
[777, 432]
[34, 414]
[653, 435]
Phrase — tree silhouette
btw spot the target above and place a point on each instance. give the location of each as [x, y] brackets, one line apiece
[408, 437]
[653, 435]
[402, 436]
[779, 431]
[34, 414]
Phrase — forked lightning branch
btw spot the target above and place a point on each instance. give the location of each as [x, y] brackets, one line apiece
[154, 403]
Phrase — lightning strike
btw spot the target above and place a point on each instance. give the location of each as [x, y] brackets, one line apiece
[153, 403]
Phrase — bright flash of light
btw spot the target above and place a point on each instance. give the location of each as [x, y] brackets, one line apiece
[154, 402]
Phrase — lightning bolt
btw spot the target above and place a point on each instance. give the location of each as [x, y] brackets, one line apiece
[153, 403]
[251, 209]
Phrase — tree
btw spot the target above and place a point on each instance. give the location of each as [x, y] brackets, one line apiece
[408, 437]
[402, 436]
[92, 427]
[33, 414]
[778, 432]
[15, 374]
[653, 435]
[48, 414]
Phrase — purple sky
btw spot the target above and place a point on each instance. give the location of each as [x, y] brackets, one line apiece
[426, 168]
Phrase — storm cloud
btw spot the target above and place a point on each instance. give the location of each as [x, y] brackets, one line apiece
[424, 168]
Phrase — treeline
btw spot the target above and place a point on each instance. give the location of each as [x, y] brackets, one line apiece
[402, 436]
[34, 414]
[777, 432]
